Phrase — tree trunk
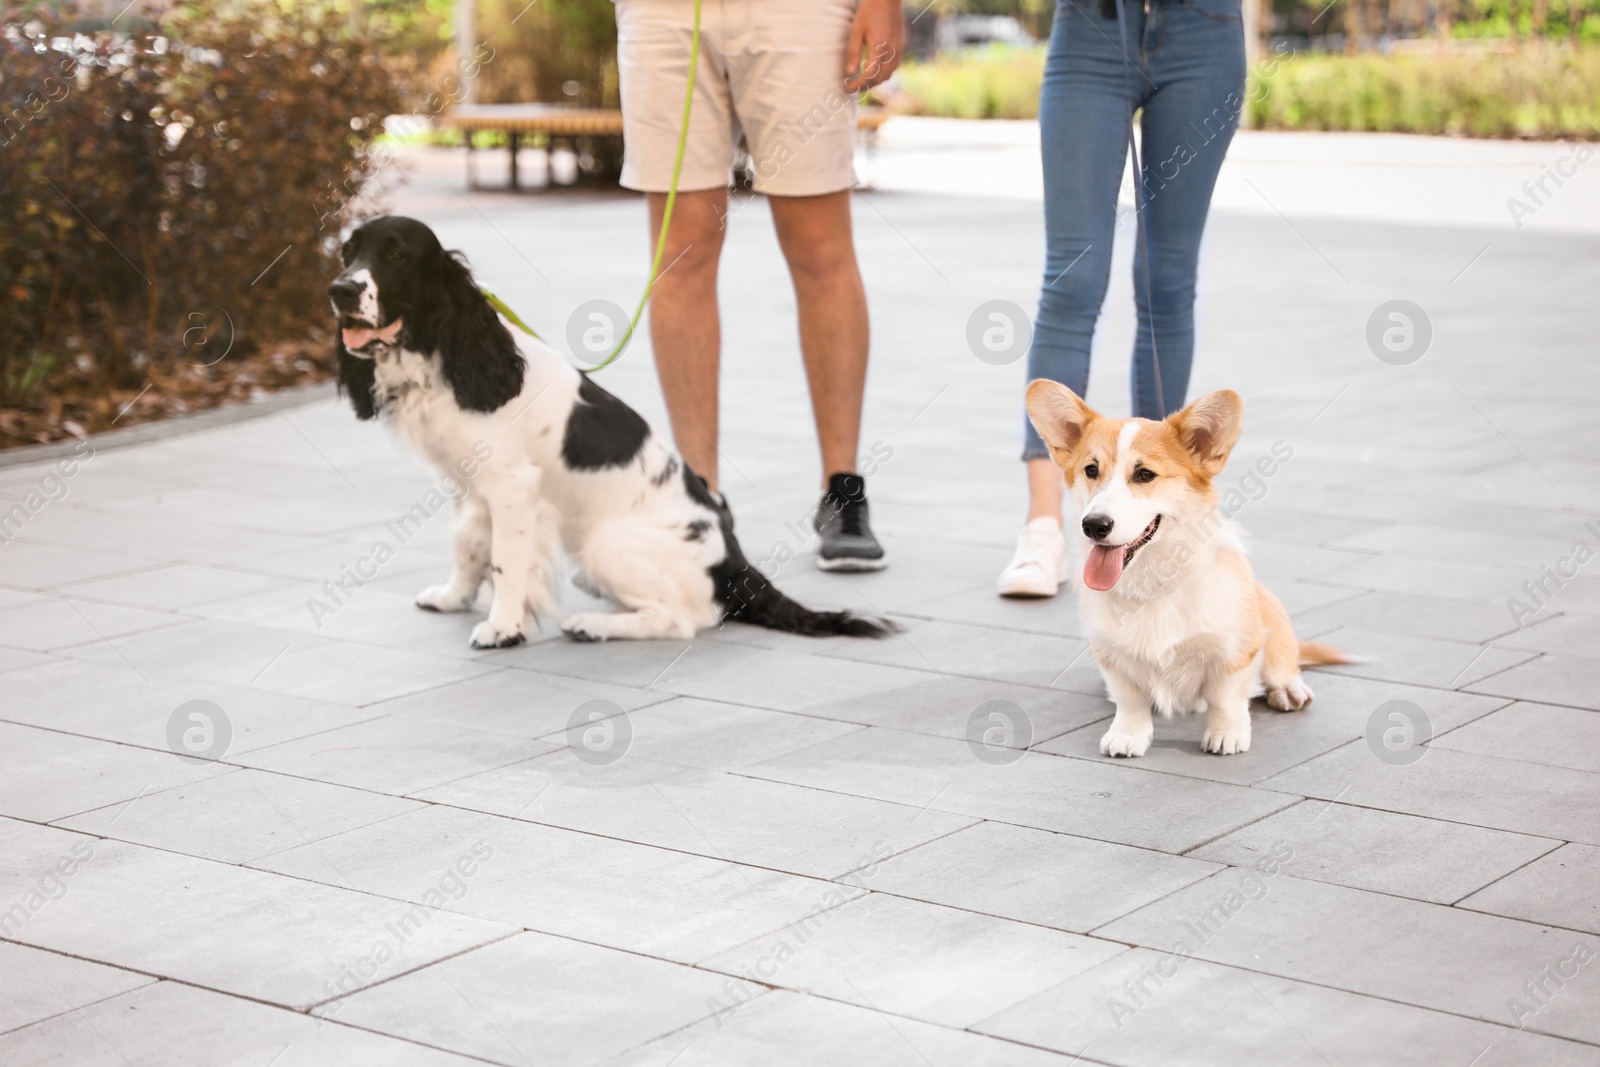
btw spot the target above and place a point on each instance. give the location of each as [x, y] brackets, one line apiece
[1354, 26]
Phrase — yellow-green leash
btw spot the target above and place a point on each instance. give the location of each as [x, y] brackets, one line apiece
[666, 218]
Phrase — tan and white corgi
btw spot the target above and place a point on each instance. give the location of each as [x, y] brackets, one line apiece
[1174, 615]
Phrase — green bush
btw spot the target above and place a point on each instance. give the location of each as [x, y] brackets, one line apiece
[173, 188]
[994, 82]
[1550, 93]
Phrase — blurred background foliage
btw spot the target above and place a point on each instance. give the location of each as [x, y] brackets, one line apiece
[170, 193]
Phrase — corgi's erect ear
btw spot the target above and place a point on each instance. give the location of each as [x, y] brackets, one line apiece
[1057, 413]
[1209, 428]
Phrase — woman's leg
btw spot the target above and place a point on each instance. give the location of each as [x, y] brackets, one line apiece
[1083, 128]
[1083, 125]
[1197, 64]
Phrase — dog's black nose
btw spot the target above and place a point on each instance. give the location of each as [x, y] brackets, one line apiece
[1097, 527]
[344, 292]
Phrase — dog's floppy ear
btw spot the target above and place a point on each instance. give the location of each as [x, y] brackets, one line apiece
[356, 379]
[480, 360]
[1057, 413]
[1209, 428]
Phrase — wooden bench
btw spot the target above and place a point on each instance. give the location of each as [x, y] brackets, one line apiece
[565, 124]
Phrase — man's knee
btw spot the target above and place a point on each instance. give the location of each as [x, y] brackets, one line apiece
[694, 239]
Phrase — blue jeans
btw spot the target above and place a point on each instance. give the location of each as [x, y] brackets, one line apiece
[1184, 66]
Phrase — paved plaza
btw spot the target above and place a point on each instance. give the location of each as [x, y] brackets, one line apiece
[772, 850]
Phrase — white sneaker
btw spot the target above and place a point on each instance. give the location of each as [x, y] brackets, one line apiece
[1040, 566]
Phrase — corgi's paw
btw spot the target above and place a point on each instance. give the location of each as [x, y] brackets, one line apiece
[1118, 742]
[442, 597]
[1290, 696]
[487, 635]
[1227, 740]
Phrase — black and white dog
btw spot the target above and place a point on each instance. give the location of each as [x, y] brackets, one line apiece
[569, 464]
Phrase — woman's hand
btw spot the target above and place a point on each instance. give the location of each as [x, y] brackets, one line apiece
[879, 30]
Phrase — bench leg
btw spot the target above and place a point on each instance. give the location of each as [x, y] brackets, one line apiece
[514, 139]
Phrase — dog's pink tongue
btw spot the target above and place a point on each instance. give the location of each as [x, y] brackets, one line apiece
[358, 337]
[1103, 566]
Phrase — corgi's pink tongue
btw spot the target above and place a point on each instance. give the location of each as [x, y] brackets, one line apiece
[1103, 566]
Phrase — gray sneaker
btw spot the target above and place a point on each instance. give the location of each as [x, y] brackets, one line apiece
[842, 520]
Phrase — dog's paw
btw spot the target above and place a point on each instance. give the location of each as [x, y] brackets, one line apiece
[583, 628]
[443, 597]
[487, 635]
[1226, 740]
[1290, 696]
[1121, 743]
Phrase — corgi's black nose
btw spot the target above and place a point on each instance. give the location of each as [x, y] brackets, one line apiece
[1097, 527]
[344, 292]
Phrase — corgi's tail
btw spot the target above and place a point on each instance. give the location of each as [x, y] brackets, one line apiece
[1313, 654]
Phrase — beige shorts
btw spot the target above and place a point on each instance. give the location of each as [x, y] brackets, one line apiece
[773, 68]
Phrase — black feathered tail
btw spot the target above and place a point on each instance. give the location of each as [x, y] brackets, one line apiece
[748, 596]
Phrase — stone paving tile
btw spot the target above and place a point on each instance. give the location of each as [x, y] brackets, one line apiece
[1428, 577]
[768, 824]
[723, 737]
[1050, 879]
[10, 598]
[783, 1029]
[1197, 1013]
[1416, 953]
[37, 985]
[534, 998]
[169, 1023]
[58, 623]
[977, 604]
[1572, 634]
[781, 681]
[239, 816]
[174, 587]
[14, 659]
[1402, 613]
[1429, 541]
[1560, 888]
[1424, 661]
[114, 702]
[1423, 859]
[303, 513]
[203, 922]
[947, 707]
[947, 649]
[614, 893]
[518, 703]
[1108, 801]
[174, 537]
[1343, 710]
[1458, 787]
[51, 775]
[393, 755]
[634, 663]
[909, 958]
[1524, 731]
[1551, 679]
[334, 671]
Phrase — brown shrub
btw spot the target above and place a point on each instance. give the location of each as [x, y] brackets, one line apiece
[173, 194]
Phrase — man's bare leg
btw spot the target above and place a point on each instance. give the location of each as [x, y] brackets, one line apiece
[814, 232]
[684, 327]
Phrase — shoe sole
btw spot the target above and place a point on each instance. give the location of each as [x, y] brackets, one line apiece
[838, 565]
